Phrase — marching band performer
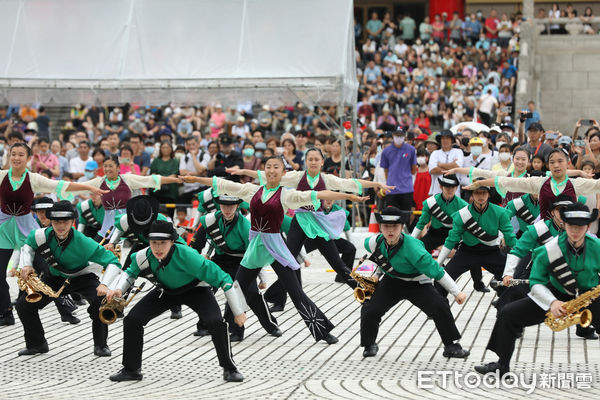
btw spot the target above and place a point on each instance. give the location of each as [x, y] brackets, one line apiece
[563, 268]
[64, 304]
[68, 253]
[118, 189]
[91, 217]
[17, 187]
[476, 227]
[207, 203]
[268, 204]
[408, 270]
[133, 227]
[179, 272]
[439, 209]
[227, 231]
[518, 261]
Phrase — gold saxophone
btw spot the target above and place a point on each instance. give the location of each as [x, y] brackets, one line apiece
[34, 287]
[575, 312]
[366, 285]
[109, 311]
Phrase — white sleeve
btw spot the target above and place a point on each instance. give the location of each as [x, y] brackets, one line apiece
[139, 182]
[443, 255]
[293, 199]
[511, 264]
[244, 191]
[448, 283]
[585, 186]
[26, 256]
[236, 300]
[542, 296]
[521, 185]
[416, 232]
[344, 185]
[289, 179]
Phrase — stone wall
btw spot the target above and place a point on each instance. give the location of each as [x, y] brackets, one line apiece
[566, 74]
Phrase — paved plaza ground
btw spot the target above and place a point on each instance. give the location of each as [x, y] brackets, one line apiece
[410, 364]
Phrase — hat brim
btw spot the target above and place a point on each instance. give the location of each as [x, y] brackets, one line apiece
[135, 226]
[445, 182]
[60, 215]
[163, 236]
[578, 221]
[227, 202]
[391, 219]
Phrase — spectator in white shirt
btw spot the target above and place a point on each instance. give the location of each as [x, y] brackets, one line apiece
[486, 106]
[443, 159]
[190, 165]
[240, 128]
[77, 164]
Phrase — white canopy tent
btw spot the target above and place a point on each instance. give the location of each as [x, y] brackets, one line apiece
[187, 51]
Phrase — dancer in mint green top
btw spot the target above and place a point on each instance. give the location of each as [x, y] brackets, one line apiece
[268, 203]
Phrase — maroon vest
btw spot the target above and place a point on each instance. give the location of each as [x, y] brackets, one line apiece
[115, 199]
[16, 202]
[510, 195]
[266, 217]
[547, 196]
[303, 186]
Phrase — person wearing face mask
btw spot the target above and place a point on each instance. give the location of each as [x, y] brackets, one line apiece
[399, 163]
[422, 179]
[504, 164]
[250, 161]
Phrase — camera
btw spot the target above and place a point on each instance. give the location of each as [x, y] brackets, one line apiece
[588, 122]
[525, 114]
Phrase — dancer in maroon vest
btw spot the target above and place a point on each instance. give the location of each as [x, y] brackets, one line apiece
[311, 224]
[118, 189]
[268, 204]
[17, 187]
[547, 187]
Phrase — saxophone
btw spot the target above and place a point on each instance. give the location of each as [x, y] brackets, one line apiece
[110, 311]
[366, 285]
[34, 287]
[575, 312]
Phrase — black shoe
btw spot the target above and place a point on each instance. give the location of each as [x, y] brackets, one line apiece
[491, 367]
[232, 375]
[276, 308]
[480, 287]
[70, 318]
[202, 332]
[455, 350]
[276, 332]
[176, 314]
[42, 348]
[124, 375]
[234, 337]
[588, 333]
[339, 278]
[330, 339]
[80, 302]
[102, 351]
[495, 303]
[370, 350]
[7, 319]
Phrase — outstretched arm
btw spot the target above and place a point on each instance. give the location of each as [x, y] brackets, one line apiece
[329, 195]
[76, 187]
[240, 171]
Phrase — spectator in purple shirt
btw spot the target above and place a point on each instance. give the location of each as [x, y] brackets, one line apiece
[399, 162]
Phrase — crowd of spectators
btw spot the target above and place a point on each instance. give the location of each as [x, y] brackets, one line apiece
[415, 80]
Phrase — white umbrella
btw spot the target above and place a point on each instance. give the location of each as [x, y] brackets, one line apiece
[475, 126]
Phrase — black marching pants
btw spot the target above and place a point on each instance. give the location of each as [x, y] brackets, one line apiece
[229, 265]
[317, 323]
[5, 307]
[467, 258]
[296, 238]
[435, 238]
[389, 292]
[85, 285]
[200, 299]
[519, 314]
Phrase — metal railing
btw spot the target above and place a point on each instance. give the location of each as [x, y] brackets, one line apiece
[567, 26]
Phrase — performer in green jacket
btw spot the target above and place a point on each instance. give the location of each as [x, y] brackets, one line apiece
[181, 276]
[476, 227]
[563, 269]
[68, 253]
[408, 270]
[91, 217]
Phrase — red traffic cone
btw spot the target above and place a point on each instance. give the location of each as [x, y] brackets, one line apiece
[373, 225]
